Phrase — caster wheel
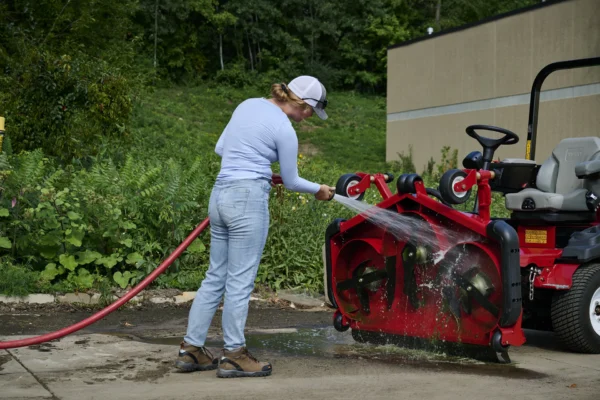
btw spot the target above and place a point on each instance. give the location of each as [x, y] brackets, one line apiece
[338, 322]
[497, 343]
[400, 183]
[500, 349]
[449, 179]
[346, 182]
[406, 183]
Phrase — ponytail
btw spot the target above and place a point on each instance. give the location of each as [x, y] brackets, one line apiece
[282, 94]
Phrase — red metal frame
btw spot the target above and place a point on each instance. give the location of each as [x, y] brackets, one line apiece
[367, 180]
[537, 249]
[557, 277]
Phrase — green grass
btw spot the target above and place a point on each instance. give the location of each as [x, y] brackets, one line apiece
[192, 119]
[19, 281]
[353, 136]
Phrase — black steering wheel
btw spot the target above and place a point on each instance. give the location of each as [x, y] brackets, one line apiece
[490, 145]
[508, 138]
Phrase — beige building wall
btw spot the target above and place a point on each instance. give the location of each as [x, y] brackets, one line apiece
[483, 75]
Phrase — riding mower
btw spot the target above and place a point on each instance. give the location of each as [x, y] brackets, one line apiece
[476, 280]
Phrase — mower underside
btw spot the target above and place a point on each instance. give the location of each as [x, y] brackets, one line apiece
[421, 269]
[426, 271]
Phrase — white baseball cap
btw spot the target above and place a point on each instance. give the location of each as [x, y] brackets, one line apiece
[312, 92]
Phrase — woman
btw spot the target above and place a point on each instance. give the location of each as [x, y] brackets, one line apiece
[258, 134]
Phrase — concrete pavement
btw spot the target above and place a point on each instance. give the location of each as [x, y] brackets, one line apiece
[99, 366]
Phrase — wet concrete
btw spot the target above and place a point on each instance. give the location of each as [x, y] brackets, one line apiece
[310, 360]
[3, 360]
[156, 319]
[326, 342]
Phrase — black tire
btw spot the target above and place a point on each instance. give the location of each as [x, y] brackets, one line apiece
[338, 322]
[345, 182]
[446, 187]
[406, 183]
[570, 311]
[497, 343]
[400, 183]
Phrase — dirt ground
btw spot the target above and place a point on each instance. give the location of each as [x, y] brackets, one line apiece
[130, 353]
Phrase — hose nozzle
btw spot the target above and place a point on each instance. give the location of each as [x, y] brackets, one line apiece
[331, 194]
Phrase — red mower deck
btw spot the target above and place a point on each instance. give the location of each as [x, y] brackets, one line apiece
[477, 280]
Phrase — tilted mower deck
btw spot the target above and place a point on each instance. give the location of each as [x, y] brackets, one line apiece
[422, 269]
[463, 285]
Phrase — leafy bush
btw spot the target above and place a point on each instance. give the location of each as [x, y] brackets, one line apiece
[81, 225]
[66, 105]
[405, 161]
[68, 77]
[293, 252]
[236, 75]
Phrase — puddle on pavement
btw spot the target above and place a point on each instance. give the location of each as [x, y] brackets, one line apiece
[43, 347]
[329, 343]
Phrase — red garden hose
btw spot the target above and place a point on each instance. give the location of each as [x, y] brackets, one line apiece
[104, 312]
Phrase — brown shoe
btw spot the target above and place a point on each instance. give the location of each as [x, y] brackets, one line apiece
[241, 363]
[192, 358]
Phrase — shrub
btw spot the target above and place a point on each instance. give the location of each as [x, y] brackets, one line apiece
[18, 280]
[80, 225]
[65, 104]
[405, 162]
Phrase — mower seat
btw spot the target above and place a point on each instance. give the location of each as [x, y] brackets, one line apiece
[567, 181]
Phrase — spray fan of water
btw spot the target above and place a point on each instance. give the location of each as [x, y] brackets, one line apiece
[402, 226]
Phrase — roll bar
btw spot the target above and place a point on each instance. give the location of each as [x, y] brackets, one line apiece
[534, 103]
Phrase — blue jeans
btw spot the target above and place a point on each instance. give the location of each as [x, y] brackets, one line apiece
[239, 224]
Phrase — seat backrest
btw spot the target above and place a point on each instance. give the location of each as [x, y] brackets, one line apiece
[557, 173]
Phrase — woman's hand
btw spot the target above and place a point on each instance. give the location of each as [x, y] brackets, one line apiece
[325, 193]
[276, 180]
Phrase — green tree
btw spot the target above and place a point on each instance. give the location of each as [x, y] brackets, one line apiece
[66, 66]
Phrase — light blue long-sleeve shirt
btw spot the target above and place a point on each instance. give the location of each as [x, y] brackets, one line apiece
[259, 134]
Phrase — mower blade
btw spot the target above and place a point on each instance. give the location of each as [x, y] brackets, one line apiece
[372, 277]
[352, 282]
[390, 287]
[361, 287]
[346, 285]
[363, 296]
[449, 294]
[474, 293]
[410, 283]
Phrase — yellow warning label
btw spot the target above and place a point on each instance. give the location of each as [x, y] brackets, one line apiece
[536, 236]
[528, 150]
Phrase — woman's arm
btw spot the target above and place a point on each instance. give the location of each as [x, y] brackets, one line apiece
[219, 146]
[287, 150]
